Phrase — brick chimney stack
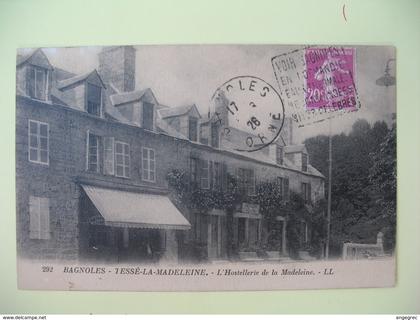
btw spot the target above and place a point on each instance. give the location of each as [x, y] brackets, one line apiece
[117, 66]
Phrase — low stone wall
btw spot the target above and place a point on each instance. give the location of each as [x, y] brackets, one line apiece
[362, 250]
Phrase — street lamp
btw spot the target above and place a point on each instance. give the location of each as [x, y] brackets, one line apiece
[386, 80]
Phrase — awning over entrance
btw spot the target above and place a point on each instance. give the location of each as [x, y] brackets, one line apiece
[136, 210]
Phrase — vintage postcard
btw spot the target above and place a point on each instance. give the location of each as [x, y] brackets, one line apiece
[206, 167]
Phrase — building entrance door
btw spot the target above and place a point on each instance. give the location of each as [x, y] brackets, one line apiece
[214, 235]
[138, 244]
[217, 237]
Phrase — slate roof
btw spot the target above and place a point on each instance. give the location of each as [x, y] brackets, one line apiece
[125, 97]
[259, 156]
[163, 126]
[21, 59]
[175, 111]
[61, 74]
[63, 79]
[295, 148]
[70, 81]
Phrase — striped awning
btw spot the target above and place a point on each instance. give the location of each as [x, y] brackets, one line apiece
[136, 210]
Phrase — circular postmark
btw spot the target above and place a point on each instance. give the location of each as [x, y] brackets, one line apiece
[249, 112]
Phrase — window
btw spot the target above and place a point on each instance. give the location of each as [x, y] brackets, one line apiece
[304, 162]
[250, 182]
[37, 82]
[279, 155]
[241, 180]
[217, 176]
[92, 163]
[279, 186]
[149, 166]
[303, 232]
[192, 128]
[283, 187]
[246, 181]
[147, 122]
[194, 171]
[39, 218]
[306, 192]
[122, 159]
[109, 150]
[286, 188]
[205, 174]
[38, 142]
[214, 135]
[93, 99]
[197, 226]
[241, 231]
[204, 133]
[98, 236]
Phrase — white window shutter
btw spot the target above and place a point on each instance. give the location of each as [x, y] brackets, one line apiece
[34, 221]
[109, 155]
[44, 220]
[39, 218]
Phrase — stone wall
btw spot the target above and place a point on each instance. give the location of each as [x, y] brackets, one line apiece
[60, 180]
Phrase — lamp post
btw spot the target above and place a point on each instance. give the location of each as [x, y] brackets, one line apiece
[386, 80]
[327, 247]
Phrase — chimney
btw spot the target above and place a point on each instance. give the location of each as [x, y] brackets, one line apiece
[117, 66]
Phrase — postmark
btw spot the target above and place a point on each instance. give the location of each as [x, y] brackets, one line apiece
[317, 83]
[249, 112]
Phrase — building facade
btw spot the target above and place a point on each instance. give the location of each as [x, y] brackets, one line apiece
[106, 173]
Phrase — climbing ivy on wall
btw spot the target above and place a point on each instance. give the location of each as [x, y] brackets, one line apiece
[268, 196]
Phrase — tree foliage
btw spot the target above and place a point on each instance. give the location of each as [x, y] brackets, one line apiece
[363, 181]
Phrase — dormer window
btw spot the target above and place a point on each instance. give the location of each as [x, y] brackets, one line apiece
[304, 162]
[148, 115]
[93, 99]
[279, 155]
[37, 82]
[33, 75]
[192, 128]
[214, 135]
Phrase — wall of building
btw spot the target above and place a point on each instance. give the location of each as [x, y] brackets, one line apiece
[59, 181]
[53, 181]
[67, 166]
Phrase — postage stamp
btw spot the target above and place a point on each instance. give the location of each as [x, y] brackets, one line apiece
[317, 83]
[250, 112]
[329, 81]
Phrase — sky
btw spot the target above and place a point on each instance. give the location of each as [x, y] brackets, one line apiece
[187, 74]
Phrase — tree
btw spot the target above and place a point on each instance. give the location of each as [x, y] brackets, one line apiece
[361, 186]
[383, 179]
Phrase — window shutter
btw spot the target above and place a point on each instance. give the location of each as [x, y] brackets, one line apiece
[309, 193]
[250, 181]
[34, 219]
[30, 81]
[49, 85]
[44, 218]
[109, 155]
[200, 170]
[211, 175]
[285, 188]
[87, 149]
[224, 177]
[204, 171]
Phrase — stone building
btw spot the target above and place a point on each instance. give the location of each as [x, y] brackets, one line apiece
[93, 155]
